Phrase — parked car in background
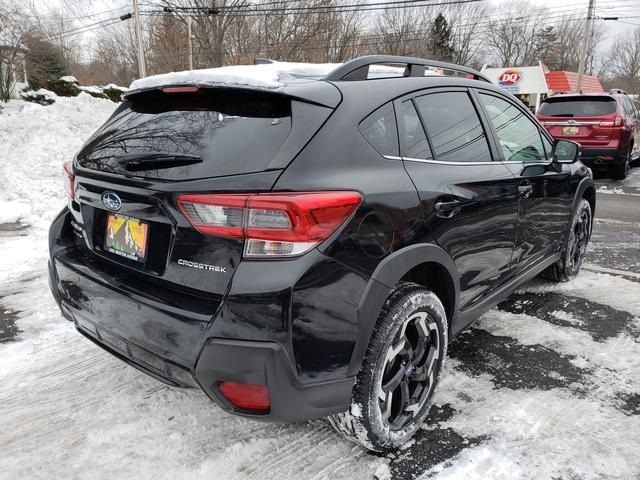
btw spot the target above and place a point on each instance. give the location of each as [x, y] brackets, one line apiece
[309, 251]
[605, 124]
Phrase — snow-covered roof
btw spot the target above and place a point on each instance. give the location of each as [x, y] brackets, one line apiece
[69, 79]
[271, 76]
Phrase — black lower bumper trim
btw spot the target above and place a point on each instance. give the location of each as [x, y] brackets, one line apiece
[266, 363]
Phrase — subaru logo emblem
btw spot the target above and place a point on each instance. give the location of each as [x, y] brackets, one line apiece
[112, 201]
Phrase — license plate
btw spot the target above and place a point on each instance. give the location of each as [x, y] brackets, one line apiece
[570, 130]
[127, 237]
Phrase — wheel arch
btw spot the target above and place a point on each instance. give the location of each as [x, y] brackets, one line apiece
[425, 264]
[586, 190]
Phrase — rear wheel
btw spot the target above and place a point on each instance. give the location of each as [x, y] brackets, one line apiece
[621, 171]
[399, 373]
[569, 264]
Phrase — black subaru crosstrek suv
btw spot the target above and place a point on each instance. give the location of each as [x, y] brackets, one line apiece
[309, 251]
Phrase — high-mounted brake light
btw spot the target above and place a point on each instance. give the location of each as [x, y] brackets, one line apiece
[273, 224]
[69, 180]
[186, 89]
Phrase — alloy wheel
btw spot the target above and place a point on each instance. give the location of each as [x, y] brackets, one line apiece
[581, 231]
[408, 376]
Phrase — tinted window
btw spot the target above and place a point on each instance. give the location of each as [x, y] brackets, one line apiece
[578, 107]
[230, 132]
[453, 127]
[380, 130]
[518, 135]
[414, 140]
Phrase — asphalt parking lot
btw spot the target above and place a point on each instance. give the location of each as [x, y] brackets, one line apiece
[544, 386]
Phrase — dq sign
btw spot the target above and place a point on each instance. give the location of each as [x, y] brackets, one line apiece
[510, 77]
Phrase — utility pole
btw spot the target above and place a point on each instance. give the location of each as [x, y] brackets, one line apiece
[142, 71]
[585, 44]
[190, 39]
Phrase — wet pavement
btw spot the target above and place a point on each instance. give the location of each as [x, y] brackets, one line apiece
[560, 360]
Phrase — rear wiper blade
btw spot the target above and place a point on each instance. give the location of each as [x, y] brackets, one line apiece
[136, 162]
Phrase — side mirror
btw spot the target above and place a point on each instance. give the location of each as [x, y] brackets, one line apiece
[566, 151]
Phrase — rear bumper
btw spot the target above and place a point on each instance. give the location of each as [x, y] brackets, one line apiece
[602, 157]
[173, 340]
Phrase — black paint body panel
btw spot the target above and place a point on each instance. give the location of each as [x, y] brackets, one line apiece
[301, 326]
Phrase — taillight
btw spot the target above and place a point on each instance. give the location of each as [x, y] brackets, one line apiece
[246, 396]
[69, 180]
[616, 122]
[273, 224]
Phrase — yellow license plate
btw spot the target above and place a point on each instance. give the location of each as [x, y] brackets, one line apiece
[570, 130]
[126, 236]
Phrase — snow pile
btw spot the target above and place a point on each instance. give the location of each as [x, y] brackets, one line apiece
[34, 144]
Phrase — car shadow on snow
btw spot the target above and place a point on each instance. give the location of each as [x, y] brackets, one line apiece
[430, 446]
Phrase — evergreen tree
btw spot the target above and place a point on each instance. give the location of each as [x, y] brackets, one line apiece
[45, 62]
[440, 40]
[546, 48]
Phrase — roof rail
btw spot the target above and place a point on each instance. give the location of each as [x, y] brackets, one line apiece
[617, 91]
[358, 68]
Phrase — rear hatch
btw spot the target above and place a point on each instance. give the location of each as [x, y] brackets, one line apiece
[162, 143]
[589, 120]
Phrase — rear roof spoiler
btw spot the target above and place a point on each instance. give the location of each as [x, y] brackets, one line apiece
[358, 68]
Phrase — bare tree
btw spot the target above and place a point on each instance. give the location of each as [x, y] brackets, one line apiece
[625, 61]
[13, 29]
[512, 36]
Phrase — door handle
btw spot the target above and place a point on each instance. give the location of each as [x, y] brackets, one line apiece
[447, 209]
[525, 190]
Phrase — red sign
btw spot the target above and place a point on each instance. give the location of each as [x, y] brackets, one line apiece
[509, 77]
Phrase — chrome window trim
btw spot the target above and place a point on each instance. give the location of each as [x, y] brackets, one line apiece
[444, 162]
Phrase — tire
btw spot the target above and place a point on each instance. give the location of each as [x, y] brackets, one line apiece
[411, 328]
[621, 171]
[570, 263]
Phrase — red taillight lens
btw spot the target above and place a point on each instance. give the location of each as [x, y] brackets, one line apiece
[246, 396]
[69, 180]
[274, 224]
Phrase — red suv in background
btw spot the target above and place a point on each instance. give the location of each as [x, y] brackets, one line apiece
[606, 125]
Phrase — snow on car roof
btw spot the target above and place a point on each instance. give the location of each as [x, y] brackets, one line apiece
[271, 76]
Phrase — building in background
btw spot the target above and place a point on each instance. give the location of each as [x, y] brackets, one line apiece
[533, 84]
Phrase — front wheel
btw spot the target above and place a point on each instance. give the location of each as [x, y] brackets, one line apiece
[399, 374]
[569, 264]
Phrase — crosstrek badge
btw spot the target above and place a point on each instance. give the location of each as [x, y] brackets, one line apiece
[202, 266]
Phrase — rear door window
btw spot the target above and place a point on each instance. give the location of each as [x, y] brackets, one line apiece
[594, 106]
[227, 132]
[453, 127]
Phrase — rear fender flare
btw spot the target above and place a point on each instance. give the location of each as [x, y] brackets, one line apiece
[384, 279]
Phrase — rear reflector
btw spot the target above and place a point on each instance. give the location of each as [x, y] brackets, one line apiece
[69, 180]
[246, 396]
[274, 224]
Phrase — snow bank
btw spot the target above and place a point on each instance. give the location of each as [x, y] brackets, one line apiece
[34, 143]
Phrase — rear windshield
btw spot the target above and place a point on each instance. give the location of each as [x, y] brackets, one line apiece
[578, 107]
[196, 135]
